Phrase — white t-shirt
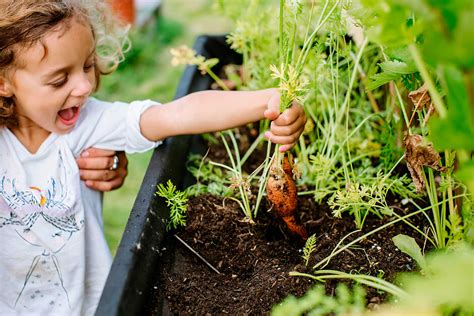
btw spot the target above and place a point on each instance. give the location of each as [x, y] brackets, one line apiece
[54, 259]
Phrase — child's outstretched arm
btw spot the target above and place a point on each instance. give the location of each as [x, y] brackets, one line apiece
[210, 111]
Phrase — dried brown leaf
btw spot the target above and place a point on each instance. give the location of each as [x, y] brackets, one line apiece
[417, 155]
[421, 99]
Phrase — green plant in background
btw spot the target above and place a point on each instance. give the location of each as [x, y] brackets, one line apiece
[209, 178]
[316, 302]
[254, 36]
[139, 69]
[177, 201]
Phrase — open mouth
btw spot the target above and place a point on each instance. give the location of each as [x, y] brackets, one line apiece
[69, 116]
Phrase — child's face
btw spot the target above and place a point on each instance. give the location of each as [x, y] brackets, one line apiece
[57, 77]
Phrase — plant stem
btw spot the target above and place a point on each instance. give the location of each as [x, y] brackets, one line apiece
[402, 107]
[438, 216]
[353, 77]
[252, 148]
[308, 43]
[449, 158]
[263, 179]
[282, 44]
[217, 79]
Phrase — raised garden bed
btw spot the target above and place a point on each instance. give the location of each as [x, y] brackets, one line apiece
[153, 273]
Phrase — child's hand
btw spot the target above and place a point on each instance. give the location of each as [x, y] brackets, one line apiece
[285, 128]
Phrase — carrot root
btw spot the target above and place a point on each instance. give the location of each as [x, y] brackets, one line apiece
[295, 228]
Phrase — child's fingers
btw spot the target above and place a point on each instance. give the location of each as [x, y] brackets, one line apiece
[289, 116]
[288, 129]
[284, 139]
[285, 142]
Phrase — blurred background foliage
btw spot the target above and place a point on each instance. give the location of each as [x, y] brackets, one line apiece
[147, 74]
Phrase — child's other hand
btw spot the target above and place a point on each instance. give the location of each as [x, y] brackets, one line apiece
[285, 128]
[95, 168]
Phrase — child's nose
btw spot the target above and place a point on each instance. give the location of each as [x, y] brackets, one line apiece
[83, 86]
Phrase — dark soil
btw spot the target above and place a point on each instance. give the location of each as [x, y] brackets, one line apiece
[254, 260]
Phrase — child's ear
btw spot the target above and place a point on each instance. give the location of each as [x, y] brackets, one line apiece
[5, 88]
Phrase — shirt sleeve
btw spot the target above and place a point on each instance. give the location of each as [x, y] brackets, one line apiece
[111, 125]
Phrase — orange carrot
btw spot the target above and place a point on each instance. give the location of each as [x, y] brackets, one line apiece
[282, 193]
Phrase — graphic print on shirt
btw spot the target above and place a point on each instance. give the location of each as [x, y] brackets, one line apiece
[41, 218]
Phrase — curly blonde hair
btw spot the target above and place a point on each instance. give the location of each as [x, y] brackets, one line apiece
[24, 23]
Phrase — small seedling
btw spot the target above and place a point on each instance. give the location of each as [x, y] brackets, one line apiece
[178, 203]
[309, 248]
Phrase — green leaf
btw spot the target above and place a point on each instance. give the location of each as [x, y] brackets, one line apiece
[390, 22]
[465, 173]
[449, 39]
[380, 79]
[391, 70]
[456, 130]
[409, 246]
[397, 67]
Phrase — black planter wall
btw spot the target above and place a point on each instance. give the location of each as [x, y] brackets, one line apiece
[135, 267]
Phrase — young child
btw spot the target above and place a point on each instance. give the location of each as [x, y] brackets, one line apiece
[55, 259]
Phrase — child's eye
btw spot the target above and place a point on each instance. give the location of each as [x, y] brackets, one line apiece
[89, 67]
[60, 82]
